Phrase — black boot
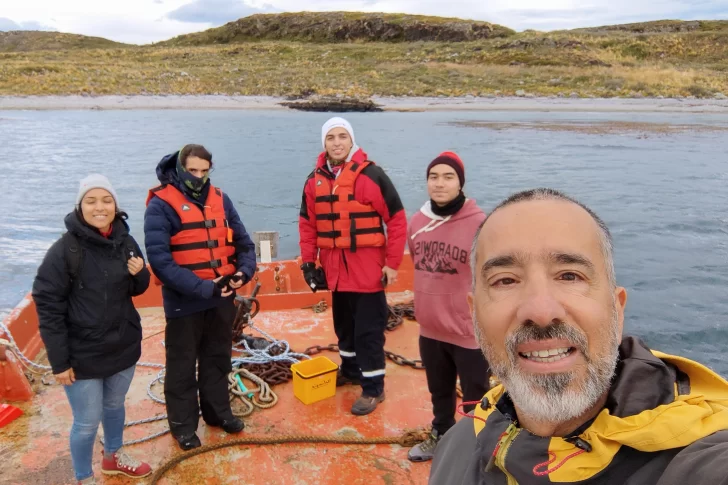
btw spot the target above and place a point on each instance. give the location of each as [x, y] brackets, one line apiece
[188, 442]
[233, 426]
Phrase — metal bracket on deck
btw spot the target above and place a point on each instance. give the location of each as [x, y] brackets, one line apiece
[266, 245]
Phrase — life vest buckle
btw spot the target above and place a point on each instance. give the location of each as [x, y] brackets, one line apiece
[210, 223]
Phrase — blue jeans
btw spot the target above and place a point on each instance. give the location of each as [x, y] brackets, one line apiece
[95, 401]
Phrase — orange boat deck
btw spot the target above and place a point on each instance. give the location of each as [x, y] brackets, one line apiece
[34, 448]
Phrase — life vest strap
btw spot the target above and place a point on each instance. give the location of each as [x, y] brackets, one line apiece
[329, 234]
[196, 245]
[214, 264]
[368, 230]
[337, 216]
[206, 224]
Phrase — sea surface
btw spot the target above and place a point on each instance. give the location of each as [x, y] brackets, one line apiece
[664, 194]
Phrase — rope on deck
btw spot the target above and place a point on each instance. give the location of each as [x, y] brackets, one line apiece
[266, 355]
[407, 439]
[276, 351]
[266, 399]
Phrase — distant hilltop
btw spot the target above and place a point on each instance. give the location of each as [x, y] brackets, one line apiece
[344, 27]
[32, 40]
[341, 27]
[297, 55]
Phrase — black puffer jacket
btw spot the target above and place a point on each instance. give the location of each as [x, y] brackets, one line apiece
[90, 324]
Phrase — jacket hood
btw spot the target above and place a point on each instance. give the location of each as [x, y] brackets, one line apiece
[167, 169]
[167, 175]
[469, 209]
[657, 402]
[358, 155]
[74, 224]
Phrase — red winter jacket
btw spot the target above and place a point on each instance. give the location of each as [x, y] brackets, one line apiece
[359, 271]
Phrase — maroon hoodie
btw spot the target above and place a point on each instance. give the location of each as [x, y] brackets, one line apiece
[440, 250]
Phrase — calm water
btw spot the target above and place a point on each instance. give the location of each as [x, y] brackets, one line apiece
[665, 198]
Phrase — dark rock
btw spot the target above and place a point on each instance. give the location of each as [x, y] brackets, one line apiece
[524, 44]
[597, 62]
[334, 104]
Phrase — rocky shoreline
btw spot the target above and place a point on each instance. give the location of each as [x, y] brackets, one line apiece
[402, 104]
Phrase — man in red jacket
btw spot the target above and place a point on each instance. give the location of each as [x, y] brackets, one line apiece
[347, 200]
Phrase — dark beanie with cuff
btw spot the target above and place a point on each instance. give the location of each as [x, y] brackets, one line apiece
[451, 159]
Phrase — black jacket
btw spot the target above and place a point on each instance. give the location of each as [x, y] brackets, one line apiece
[665, 423]
[90, 324]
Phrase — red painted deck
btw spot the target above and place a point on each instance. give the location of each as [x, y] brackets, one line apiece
[34, 448]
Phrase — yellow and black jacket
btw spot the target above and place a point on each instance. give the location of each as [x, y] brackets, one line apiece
[665, 423]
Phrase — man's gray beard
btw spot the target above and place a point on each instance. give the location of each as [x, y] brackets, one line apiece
[554, 398]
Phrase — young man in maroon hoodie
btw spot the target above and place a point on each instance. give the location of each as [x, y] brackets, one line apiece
[439, 239]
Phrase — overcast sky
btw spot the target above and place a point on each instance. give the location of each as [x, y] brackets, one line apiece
[144, 21]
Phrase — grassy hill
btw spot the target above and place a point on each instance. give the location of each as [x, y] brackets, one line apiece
[290, 54]
[28, 40]
[663, 27]
[343, 27]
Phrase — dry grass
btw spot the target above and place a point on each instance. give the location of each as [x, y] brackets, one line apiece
[588, 64]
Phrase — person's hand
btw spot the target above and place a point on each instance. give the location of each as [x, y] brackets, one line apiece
[67, 377]
[135, 265]
[236, 281]
[224, 291]
[315, 277]
[391, 275]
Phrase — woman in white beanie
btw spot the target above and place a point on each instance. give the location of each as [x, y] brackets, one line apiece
[347, 201]
[92, 332]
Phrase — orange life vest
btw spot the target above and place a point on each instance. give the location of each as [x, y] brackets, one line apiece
[341, 221]
[204, 244]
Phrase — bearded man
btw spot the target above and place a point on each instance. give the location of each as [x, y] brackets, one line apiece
[577, 401]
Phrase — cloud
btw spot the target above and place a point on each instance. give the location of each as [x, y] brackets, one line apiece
[129, 29]
[612, 12]
[143, 21]
[6, 25]
[532, 14]
[216, 12]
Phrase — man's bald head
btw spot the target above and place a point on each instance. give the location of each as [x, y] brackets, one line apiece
[605, 236]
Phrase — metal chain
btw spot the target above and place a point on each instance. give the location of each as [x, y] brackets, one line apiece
[396, 358]
[397, 314]
[10, 343]
[317, 349]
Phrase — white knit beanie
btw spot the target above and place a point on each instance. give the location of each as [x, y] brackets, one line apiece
[336, 122]
[95, 181]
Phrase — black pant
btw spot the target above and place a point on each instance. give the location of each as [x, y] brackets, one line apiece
[443, 363]
[359, 323]
[206, 336]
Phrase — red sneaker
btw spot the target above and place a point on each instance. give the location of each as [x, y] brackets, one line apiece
[123, 464]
